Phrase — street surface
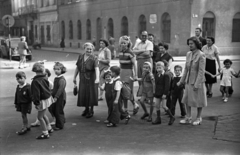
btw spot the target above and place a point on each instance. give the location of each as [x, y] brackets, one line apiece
[216, 135]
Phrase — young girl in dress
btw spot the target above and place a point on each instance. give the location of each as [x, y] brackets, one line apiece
[59, 95]
[110, 95]
[23, 102]
[37, 123]
[147, 90]
[226, 82]
[42, 99]
[163, 82]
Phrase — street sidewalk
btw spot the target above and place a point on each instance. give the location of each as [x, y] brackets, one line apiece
[7, 64]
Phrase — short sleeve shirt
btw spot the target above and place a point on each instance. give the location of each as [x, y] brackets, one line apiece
[118, 84]
[147, 45]
[210, 52]
[126, 56]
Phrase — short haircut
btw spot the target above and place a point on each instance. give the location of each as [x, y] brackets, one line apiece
[38, 67]
[150, 34]
[211, 38]
[227, 61]
[47, 71]
[107, 73]
[88, 44]
[198, 28]
[61, 66]
[164, 45]
[20, 75]
[105, 42]
[160, 63]
[178, 66]
[196, 41]
[116, 70]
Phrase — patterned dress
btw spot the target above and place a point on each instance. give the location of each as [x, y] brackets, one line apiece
[88, 90]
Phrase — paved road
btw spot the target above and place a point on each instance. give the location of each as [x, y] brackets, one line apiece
[87, 136]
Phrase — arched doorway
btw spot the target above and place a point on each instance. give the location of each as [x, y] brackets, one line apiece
[142, 24]
[166, 27]
[99, 32]
[110, 28]
[79, 26]
[208, 25]
[70, 30]
[124, 26]
[88, 30]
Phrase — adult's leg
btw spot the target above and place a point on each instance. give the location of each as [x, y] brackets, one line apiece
[21, 61]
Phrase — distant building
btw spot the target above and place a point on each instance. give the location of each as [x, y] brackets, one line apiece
[5, 9]
[171, 21]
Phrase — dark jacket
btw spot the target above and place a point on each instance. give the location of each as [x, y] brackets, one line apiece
[59, 87]
[40, 89]
[23, 95]
[203, 41]
[175, 89]
[162, 84]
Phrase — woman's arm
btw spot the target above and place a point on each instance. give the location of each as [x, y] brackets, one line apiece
[133, 60]
[97, 74]
[75, 75]
[183, 78]
[201, 71]
[218, 61]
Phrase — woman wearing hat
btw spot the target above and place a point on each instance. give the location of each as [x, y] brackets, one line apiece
[22, 50]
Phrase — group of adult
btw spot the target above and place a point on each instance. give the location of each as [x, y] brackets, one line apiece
[131, 58]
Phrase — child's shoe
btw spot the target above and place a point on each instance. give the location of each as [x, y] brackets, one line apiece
[145, 115]
[225, 100]
[198, 121]
[35, 124]
[23, 131]
[106, 122]
[111, 125]
[127, 119]
[43, 136]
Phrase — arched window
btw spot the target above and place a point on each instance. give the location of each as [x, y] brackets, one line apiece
[166, 28]
[88, 32]
[70, 30]
[36, 32]
[236, 28]
[79, 26]
[124, 26]
[208, 25]
[63, 29]
[110, 28]
[142, 24]
[99, 31]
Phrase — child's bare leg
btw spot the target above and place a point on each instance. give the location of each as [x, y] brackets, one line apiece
[227, 91]
[48, 125]
[144, 107]
[41, 120]
[25, 120]
[164, 104]
[151, 107]
[222, 90]
[157, 104]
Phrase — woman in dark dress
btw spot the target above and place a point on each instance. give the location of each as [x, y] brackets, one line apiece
[87, 68]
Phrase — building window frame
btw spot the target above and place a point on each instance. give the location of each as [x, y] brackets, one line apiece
[79, 26]
[166, 27]
[142, 24]
[236, 28]
[88, 30]
[70, 29]
[124, 26]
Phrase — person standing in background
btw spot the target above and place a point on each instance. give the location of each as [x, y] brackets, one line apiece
[198, 32]
[22, 49]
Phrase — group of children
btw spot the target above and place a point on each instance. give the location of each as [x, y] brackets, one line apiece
[44, 95]
[155, 87]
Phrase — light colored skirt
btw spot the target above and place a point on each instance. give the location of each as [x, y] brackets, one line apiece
[196, 98]
[44, 104]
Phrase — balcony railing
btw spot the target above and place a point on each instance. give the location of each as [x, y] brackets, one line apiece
[30, 9]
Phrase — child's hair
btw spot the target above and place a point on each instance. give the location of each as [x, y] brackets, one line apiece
[20, 75]
[227, 61]
[38, 67]
[149, 64]
[48, 72]
[108, 72]
[61, 66]
[160, 63]
[178, 66]
[115, 69]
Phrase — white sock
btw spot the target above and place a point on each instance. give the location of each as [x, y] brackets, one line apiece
[45, 132]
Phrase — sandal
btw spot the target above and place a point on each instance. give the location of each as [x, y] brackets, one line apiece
[51, 130]
[43, 136]
[111, 125]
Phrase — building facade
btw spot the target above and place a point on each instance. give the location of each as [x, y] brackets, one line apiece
[5, 9]
[171, 21]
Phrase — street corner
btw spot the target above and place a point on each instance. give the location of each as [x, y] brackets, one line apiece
[7, 64]
[227, 128]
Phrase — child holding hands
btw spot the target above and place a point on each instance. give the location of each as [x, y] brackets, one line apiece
[163, 81]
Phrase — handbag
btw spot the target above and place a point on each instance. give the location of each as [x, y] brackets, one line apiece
[75, 90]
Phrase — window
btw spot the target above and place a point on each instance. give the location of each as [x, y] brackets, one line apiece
[142, 24]
[236, 28]
[48, 33]
[79, 26]
[208, 25]
[70, 30]
[110, 28]
[62, 2]
[88, 32]
[63, 29]
[124, 26]
[166, 28]
[36, 32]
